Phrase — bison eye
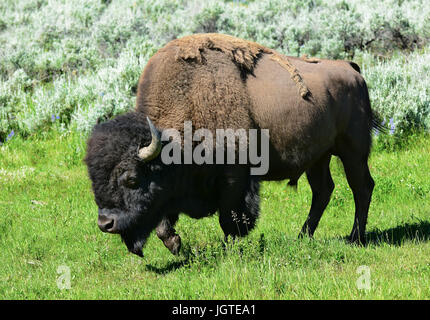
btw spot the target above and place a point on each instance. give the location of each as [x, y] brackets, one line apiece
[129, 180]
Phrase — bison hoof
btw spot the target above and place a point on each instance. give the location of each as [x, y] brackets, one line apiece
[357, 241]
[173, 244]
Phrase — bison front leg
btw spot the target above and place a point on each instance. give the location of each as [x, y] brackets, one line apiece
[168, 235]
[239, 206]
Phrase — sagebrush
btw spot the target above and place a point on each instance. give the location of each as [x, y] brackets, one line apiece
[70, 64]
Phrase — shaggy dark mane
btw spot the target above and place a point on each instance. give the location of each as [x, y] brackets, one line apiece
[109, 140]
[110, 143]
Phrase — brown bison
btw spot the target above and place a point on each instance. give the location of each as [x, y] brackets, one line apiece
[313, 109]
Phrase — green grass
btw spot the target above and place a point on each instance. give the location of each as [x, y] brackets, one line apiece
[48, 219]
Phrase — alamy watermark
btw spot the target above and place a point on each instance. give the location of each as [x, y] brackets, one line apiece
[364, 280]
[64, 277]
[253, 147]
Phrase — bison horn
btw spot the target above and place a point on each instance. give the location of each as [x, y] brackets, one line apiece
[153, 150]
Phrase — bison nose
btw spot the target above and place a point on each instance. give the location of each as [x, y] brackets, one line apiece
[106, 224]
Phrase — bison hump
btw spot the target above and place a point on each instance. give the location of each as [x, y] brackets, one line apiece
[245, 54]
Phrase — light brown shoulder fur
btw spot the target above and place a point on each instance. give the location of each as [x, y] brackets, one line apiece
[243, 53]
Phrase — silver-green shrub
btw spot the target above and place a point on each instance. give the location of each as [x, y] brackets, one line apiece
[399, 89]
[73, 63]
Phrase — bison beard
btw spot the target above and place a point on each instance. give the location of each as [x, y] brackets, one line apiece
[135, 238]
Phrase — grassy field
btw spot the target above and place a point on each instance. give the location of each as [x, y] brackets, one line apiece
[48, 228]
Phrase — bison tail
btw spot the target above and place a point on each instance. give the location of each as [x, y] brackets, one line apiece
[354, 66]
[377, 123]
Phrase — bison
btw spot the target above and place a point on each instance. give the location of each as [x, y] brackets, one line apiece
[312, 108]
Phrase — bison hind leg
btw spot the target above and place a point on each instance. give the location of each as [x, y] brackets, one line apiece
[353, 151]
[322, 186]
[361, 183]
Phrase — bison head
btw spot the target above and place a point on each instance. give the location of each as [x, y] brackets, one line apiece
[128, 179]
